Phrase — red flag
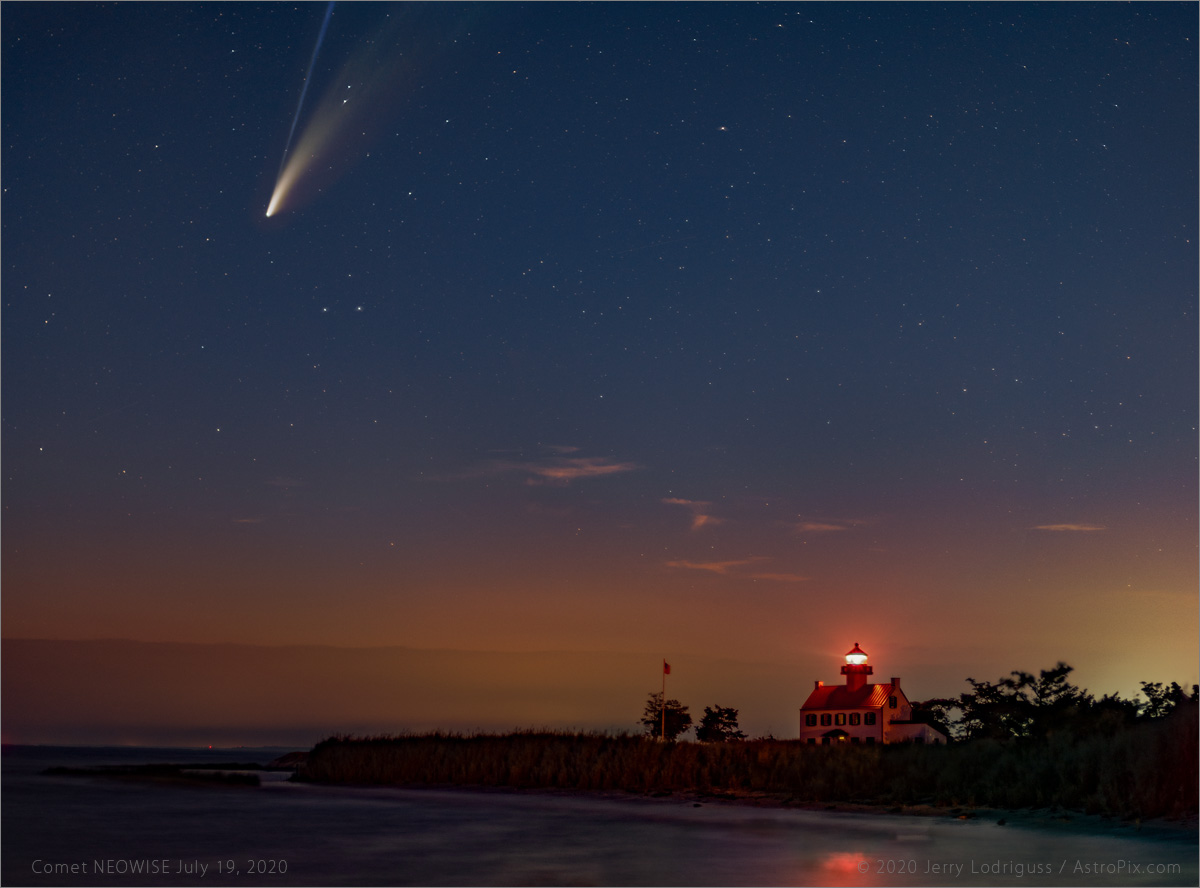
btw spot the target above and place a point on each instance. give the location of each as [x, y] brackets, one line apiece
[666, 668]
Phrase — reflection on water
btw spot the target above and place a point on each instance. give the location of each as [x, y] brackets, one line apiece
[298, 835]
[845, 868]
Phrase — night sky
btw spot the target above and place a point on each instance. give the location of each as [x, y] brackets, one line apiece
[701, 331]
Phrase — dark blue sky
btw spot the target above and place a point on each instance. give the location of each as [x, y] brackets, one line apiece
[599, 311]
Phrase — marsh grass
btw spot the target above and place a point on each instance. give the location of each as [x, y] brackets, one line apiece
[1144, 770]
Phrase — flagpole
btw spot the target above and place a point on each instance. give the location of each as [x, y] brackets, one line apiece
[663, 704]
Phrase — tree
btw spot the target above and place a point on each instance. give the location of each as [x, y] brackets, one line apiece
[719, 725]
[675, 716]
[1162, 699]
[935, 713]
[992, 710]
[1020, 705]
[1024, 706]
[1052, 703]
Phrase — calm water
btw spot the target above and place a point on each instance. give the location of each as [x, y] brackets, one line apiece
[336, 836]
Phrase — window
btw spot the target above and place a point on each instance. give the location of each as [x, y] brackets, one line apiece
[812, 740]
[855, 718]
[891, 702]
[810, 720]
[853, 739]
[824, 741]
[826, 719]
[870, 739]
[840, 718]
[868, 718]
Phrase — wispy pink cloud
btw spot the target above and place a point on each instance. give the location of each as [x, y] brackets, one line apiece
[1078, 528]
[717, 567]
[820, 527]
[550, 470]
[699, 510]
[829, 524]
[564, 470]
[730, 568]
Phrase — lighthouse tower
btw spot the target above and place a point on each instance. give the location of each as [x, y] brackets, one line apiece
[856, 669]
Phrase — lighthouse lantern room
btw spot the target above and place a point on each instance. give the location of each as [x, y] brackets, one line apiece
[856, 669]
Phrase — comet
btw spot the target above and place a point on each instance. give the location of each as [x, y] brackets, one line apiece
[314, 155]
[361, 99]
[282, 183]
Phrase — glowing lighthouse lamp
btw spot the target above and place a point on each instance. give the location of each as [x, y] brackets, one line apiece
[856, 669]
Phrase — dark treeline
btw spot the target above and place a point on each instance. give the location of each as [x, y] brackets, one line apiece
[1025, 706]
[1141, 769]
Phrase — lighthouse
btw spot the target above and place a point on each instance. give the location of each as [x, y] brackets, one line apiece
[861, 712]
[856, 669]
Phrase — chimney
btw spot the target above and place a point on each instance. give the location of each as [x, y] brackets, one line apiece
[819, 684]
[895, 681]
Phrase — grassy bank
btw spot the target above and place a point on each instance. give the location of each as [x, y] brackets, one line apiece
[1148, 770]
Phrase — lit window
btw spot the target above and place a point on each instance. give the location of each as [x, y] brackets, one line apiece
[840, 718]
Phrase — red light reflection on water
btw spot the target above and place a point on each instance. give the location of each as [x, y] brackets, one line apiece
[846, 868]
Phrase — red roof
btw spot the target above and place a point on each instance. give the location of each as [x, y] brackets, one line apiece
[869, 696]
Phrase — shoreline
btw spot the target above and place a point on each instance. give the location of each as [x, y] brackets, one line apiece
[1042, 819]
[1047, 819]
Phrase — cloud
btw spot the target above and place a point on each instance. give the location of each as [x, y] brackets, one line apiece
[1077, 528]
[729, 568]
[717, 567]
[699, 510]
[814, 524]
[550, 470]
[820, 527]
[563, 470]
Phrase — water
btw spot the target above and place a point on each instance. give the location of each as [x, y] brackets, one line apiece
[297, 834]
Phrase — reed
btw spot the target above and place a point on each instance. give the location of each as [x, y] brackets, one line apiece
[1143, 770]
